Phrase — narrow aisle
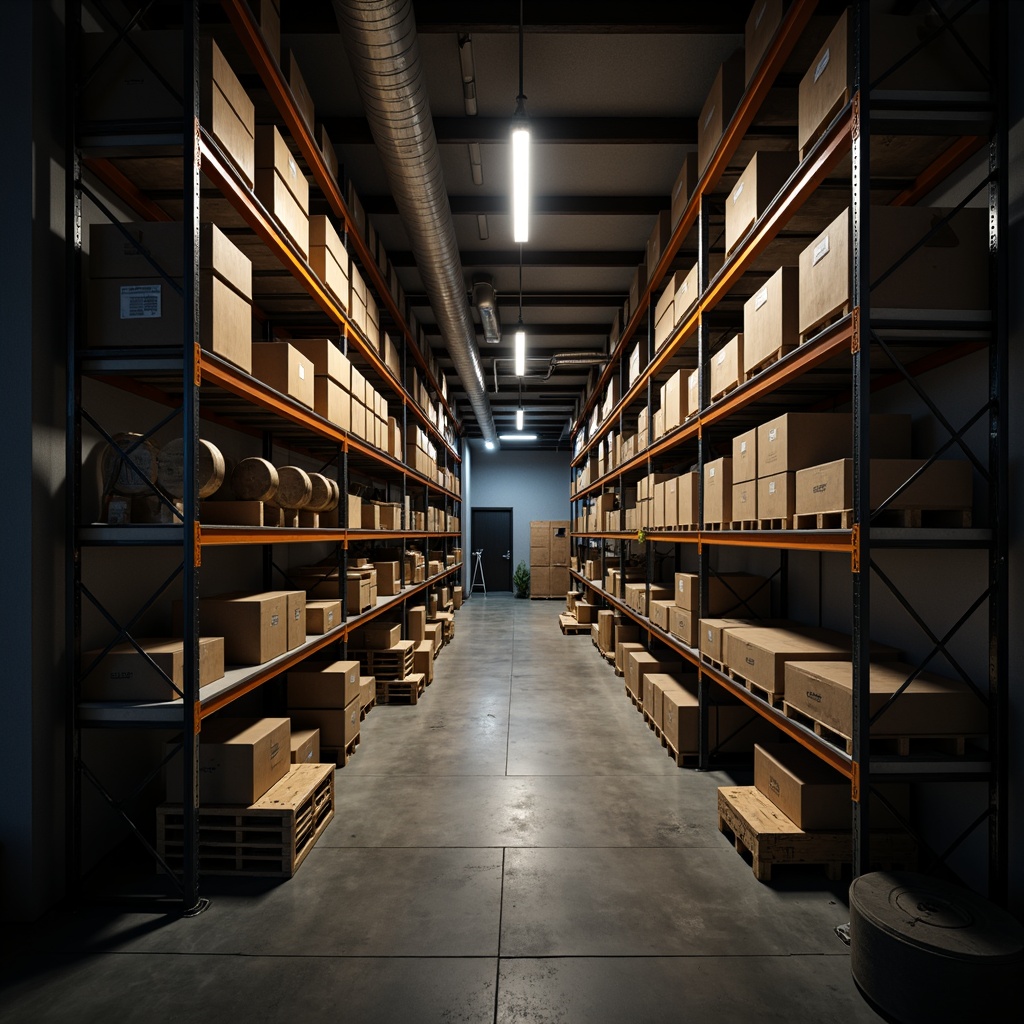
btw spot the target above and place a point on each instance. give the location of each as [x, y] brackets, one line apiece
[517, 847]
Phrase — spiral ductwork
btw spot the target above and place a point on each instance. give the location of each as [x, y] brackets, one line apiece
[380, 39]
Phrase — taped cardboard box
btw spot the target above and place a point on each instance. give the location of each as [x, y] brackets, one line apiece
[125, 674]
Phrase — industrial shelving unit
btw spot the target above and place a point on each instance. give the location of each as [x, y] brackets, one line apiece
[925, 141]
[156, 170]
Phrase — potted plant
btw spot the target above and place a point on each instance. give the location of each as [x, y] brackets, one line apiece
[521, 580]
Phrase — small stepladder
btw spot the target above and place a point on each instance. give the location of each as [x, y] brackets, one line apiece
[478, 572]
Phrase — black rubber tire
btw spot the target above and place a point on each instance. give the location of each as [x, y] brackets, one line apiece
[922, 950]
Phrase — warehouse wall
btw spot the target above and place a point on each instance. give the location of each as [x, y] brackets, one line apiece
[32, 463]
[535, 485]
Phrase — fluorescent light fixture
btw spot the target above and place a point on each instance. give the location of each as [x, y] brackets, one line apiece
[517, 437]
[519, 418]
[520, 352]
[521, 183]
[489, 445]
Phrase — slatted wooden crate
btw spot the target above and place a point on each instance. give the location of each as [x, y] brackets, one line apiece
[272, 837]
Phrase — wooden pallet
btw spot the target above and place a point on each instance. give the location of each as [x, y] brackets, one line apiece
[401, 691]
[953, 744]
[727, 390]
[773, 524]
[394, 663]
[720, 665]
[825, 121]
[367, 708]
[903, 518]
[774, 699]
[825, 321]
[570, 627]
[823, 520]
[681, 760]
[743, 524]
[341, 755]
[270, 838]
[758, 828]
[750, 372]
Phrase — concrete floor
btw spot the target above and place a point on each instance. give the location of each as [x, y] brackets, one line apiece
[518, 847]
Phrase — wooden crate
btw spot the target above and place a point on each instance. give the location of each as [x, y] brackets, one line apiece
[271, 837]
[401, 691]
[396, 662]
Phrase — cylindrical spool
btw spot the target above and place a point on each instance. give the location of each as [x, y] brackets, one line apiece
[171, 468]
[255, 479]
[138, 473]
[323, 493]
[294, 489]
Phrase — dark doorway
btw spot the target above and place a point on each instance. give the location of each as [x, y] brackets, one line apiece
[491, 530]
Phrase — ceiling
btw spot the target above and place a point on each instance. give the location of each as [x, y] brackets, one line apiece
[613, 108]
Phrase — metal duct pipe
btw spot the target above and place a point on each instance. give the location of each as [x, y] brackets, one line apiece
[380, 39]
[555, 360]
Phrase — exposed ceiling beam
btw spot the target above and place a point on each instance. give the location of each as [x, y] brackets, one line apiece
[537, 258]
[589, 206]
[587, 130]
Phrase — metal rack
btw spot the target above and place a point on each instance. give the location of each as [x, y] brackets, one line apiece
[184, 385]
[843, 364]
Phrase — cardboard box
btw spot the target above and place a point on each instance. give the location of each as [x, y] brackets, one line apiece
[124, 674]
[744, 502]
[586, 613]
[687, 493]
[416, 622]
[659, 613]
[332, 402]
[770, 319]
[718, 491]
[423, 659]
[639, 663]
[605, 629]
[329, 260]
[367, 691]
[354, 511]
[726, 367]
[732, 728]
[719, 107]
[813, 795]
[305, 746]
[943, 274]
[693, 393]
[323, 684]
[727, 593]
[759, 654]
[377, 636]
[130, 304]
[659, 239]
[762, 24]
[389, 579]
[683, 624]
[281, 186]
[623, 649]
[338, 727]
[285, 369]
[637, 361]
[254, 626]
[329, 154]
[744, 457]
[300, 92]
[756, 187]
[295, 613]
[930, 706]
[776, 496]
[322, 616]
[239, 760]
[683, 187]
[559, 541]
[687, 293]
[327, 358]
[944, 485]
[712, 635]
[433, 632]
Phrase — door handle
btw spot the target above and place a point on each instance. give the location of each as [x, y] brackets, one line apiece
[508, 554]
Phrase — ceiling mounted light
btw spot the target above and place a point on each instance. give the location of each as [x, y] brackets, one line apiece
[519, 418]
[476, 166]
[468, 74]
[489, 445]
[520, 329]
[517, 437]
[520, 155]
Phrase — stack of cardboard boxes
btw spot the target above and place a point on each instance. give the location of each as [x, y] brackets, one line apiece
[549, 558]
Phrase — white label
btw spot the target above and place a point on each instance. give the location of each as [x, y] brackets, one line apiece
[711, 114]
[683, 287]
[721, 357]
[771, 486]
[738, 191]
[298, 615]
[330, 617]
[682, 586]
[761, 298]
[302, 372]
[274, 619]
[760, 15]
[710, 637]
[292, 169]
[140, 301]
[820, 251]
[772, 434]
[822, 64]
[743, 447]
[711, 472]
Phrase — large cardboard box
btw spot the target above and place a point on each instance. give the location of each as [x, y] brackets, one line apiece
[254, 626]
[623, 648]
[333, 402]
[639, 663]
[327, 358]
[719, 107]
[131, 304]
[762, 24]
[605, 630]
[944, 485]
[673, 401]
[728, 592]
[759, 654]
[813, 795]
[687, 293]
[659, 613]
[125, 674]
[930, 706]
[726, 367]
[300, 91]
[744, 502]
[285, 369]
[389, 582]
[295, 613]
[540, 580]
[329, 259]
[281, 186]
[125, 86]
[687, 487]
[683, 187]
[756, 187]
[377, 636]
[322, 616]
[682, 623]
[948, 272]
[331, 684]
[712, 635]
[732, 728]
[796, 440]
[268, 17]
[338, 726]
[659, 238]
[558, 535]
[776, 496]
[239, 760]
[744, 457]
[718, 491]
[305, 746]
[416, 622]
[770, 319]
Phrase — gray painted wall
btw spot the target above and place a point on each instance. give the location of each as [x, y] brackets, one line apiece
[535, 485]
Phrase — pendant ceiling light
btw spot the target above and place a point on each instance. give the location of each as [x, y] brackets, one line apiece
[520, 329]
[520, 155]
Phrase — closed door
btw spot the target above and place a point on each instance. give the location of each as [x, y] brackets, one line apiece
[491, 530]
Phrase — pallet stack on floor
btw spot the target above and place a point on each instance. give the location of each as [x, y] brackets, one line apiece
[549, 558]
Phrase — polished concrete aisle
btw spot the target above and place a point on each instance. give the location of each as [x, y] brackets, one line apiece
[518, 847]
